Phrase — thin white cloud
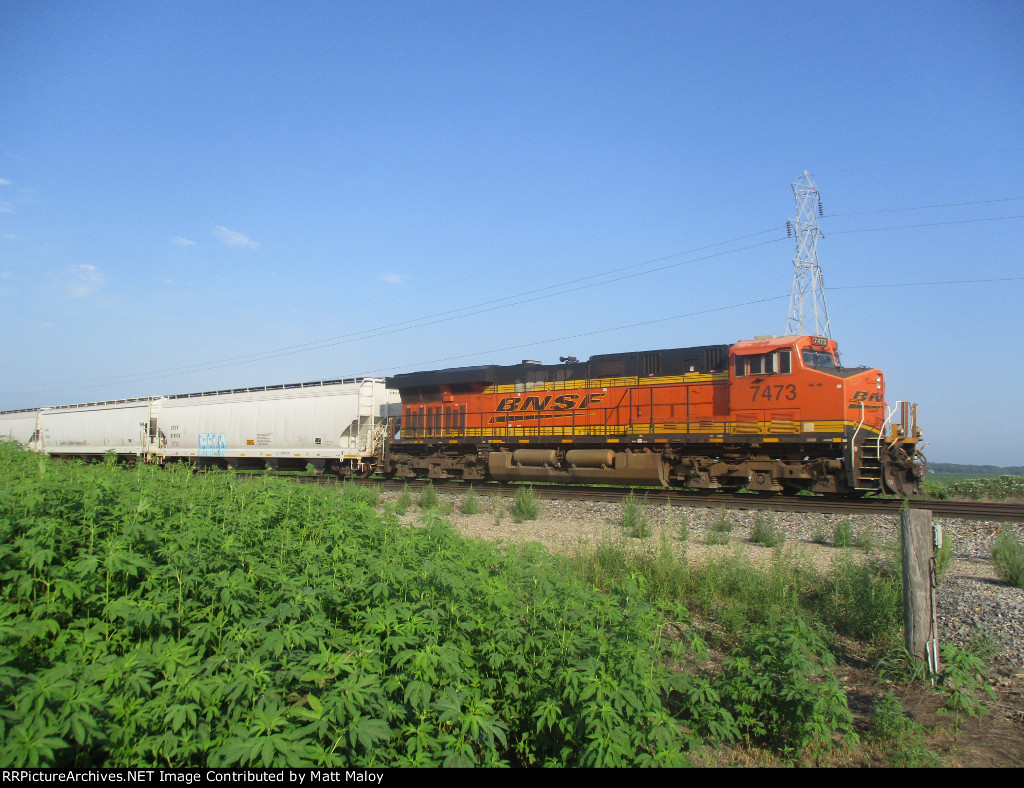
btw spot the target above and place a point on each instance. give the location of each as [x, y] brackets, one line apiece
[4, 182]
[84, 280]
[395, 279]
[233, 238]
[6, 207]
[179, 241]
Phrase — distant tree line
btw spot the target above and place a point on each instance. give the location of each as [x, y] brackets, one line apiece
[976, 470]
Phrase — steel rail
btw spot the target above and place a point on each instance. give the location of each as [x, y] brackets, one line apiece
[813, 504]
[966, 510]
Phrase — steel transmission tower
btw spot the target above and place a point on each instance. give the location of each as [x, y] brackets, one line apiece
[808, 285]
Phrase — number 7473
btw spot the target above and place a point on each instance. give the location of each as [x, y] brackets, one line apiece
[774, 392]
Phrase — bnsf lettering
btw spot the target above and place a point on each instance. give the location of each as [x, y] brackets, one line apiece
[561, 402]
[565, 402]
[535, 403]
[863, 396]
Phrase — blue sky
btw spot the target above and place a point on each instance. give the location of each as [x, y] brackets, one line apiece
[208, 195]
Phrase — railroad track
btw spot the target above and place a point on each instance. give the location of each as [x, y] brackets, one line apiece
[966, 510]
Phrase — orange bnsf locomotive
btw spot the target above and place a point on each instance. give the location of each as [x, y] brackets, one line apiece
[769, 415]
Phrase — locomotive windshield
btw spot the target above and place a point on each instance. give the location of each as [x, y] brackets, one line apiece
[819, 358]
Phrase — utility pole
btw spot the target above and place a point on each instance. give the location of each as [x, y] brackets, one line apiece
[808, 294]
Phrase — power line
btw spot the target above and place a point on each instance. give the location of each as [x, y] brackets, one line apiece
[654, 321]
[528, 296]
[495, 304]
[710, 310]
[504, 302]
[924, 207]
[928, 284]
[930, 224]
[421, 364]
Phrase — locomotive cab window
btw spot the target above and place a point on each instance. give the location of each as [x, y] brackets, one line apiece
[821, 359]
[777, 363]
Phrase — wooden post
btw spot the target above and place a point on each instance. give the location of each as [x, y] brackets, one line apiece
[920, 630]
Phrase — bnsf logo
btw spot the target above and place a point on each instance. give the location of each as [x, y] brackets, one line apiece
[863, 396]
[550, 402]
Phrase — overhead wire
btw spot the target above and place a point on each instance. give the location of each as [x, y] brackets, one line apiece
[928, 224]
[922, 207]
[504, 302]
[556, 289]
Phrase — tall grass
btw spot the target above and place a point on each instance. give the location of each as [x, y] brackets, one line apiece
[765, 531]
[858, 597]
[1008, 556]
[842, 534]
[719, 531]
[429, 499]
[865, 599]
[634, 518]
[471, 502]
[526, 506]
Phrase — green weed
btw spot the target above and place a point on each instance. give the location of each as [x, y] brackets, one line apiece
[779, 688]
[1008, 556]
[943, 556]
[842, 534]
[765, 532]
[901, 736]
[404, 499]
[429, 499]
[498, 508]
[152, 618]
[962, 683]
[866, 600]
[864, 540]
[720, 530]
[470, 502]
[525, 506]
[634, 518]
[358, 492]
[899, 666]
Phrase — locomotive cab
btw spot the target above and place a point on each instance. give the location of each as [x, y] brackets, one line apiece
[796, 385]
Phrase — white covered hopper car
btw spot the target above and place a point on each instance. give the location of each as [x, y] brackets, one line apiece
[20, 426]
[334, 425]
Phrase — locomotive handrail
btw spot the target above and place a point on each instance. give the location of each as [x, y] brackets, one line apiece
[890, 412]
[863, 415]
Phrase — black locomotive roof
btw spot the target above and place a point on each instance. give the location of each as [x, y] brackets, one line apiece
[644, 363]
[455, 376]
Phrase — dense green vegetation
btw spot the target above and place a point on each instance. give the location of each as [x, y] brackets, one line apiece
[150, 617]
[943, 468]
[999, 488]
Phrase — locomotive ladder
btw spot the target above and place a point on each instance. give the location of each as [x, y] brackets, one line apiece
[869, 467]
